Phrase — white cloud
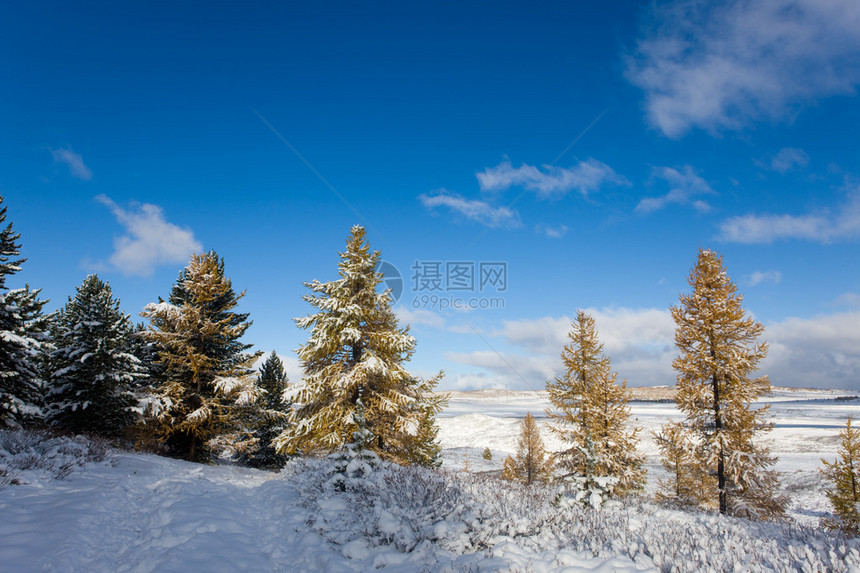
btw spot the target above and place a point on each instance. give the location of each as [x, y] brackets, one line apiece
[848, 299]
[684, 186]
[474, 210]
[640, 342]
[508, 370]
[551, 182]
[760, 277]
[788, 158]
[822, 351]
[545, 335]
[553, 232]
[150, 240]
[73, 161]
[419, 316]
[843, 223]
[819, 352]
[721, 65]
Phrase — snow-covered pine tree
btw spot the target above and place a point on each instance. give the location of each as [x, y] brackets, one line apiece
[487, 454]
[591, 414]
[271, 413]
[531, 464]
[844, 475]
[683, 486]
[146, 351]
[90, 370]
[207, 382]
[719, 353]
[357, 350]
[23, 337]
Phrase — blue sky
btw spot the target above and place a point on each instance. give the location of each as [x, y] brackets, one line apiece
[593, 149]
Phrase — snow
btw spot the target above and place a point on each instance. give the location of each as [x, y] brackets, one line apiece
[142, 513]
[78, 508]
[806, 428]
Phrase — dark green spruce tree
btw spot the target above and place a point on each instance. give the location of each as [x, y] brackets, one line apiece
[23, 337]
[90, 370]
[271, 414]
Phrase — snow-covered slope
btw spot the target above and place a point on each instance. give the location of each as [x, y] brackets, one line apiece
[67, 506]
[141, 513]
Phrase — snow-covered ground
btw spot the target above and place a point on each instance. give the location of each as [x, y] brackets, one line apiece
[64, 507]
[806, 428]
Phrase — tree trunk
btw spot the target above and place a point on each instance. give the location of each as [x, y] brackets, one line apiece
[718, 430]
[192, 448]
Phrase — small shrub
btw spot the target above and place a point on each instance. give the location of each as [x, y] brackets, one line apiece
[28, 454]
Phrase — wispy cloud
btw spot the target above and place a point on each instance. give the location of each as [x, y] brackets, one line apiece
[507, 370]
[789, 158]
[684, 186]
[73, 161]
[150, 240]
[419, 316]
[552, 231]
[472, 209]
[549, 181]
[720, 65]
[842, 223]
[848, 299]
[760, 277]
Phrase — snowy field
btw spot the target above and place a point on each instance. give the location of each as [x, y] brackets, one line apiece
[69, 506]
[806, 428]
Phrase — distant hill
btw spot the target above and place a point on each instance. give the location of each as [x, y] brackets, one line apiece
[648, 394]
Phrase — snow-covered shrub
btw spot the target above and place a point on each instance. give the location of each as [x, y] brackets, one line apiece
[355, 495]
[587, 491]
[29, 455]
[411, 509]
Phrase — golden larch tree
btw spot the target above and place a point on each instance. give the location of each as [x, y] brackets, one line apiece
[509, 469]
[592, 415]
[531, 464]
[683, 486]
[844, 475]
[719, 352]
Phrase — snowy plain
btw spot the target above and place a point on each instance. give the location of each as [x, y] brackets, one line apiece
[806, 425]
[137, 512]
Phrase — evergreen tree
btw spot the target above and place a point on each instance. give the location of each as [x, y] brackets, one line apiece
[844, 475]
[718, 354]
[271, 413]
[207, 383]
[592, 414]
[357, 350]
[146, 352]
[23, 337]
[487, 455]
[90, 368]
[531, 464]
